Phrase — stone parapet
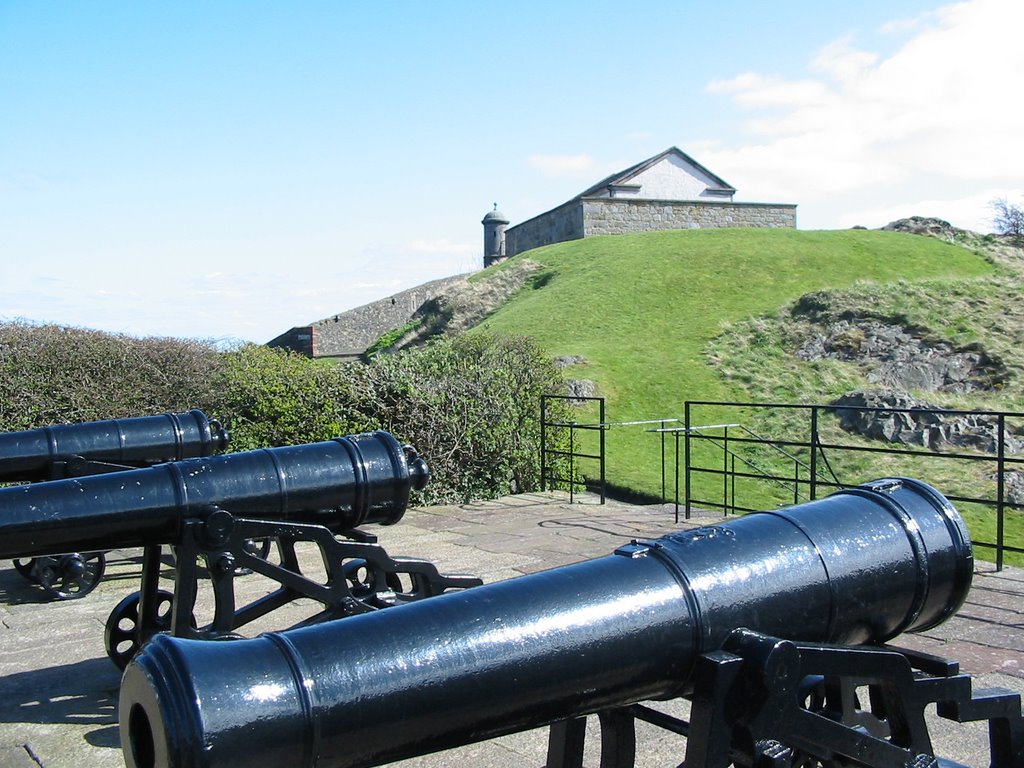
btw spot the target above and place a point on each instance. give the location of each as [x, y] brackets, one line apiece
[617, 217]
[585, 217]
[556, 226]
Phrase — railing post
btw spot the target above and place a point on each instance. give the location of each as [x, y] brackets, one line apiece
[732, 494]
[796, 480]
[662, 432]
[601, 431]
[725, 469]
[813, 490]
[572, 457]
[686, 445]
[1000, 490]
[676, 435]
[543, 443]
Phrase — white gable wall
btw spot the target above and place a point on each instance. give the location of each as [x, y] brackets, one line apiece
[672, 178]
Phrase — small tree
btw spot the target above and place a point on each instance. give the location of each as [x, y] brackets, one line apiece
[1009, 220]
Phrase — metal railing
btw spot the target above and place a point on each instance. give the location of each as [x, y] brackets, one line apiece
[551, 430]
[573, 453]
[810, 468]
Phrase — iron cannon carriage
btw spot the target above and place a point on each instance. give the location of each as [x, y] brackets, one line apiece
[770, 626]
[211, 509]
[97, 447]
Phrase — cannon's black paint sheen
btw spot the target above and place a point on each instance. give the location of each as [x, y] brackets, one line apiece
[31, 455]
[860, 566]
[340, 483]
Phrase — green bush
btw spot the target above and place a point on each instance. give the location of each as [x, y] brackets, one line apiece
[470, 404]
[270, 397]
[51, 374]
[389, 339]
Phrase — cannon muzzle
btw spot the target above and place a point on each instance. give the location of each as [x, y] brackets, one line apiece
[31, 455]
[860, 566]
[340, 483]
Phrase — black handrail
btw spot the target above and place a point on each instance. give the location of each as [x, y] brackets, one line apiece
[807, 473]
[547, 469]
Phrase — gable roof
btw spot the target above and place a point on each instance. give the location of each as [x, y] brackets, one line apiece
[622, 177]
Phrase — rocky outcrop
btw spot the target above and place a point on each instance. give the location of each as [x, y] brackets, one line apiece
[896, 357]
[1013, 486]
[899, 418]
[894, 354]
[924, 225]
[580, 389]
[577, 389]
[566, 361]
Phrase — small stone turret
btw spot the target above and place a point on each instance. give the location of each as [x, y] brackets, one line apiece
[495, 225]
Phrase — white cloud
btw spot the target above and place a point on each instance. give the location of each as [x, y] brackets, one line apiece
[561, 165]
[752, 90]
[902, 26]
[942, 107]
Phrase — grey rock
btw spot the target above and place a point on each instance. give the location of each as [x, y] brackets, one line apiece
[581, 388]
[566, 361]
[922, 225]
[896, 417]
[895, 356]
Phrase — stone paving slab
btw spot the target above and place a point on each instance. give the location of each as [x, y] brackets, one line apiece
[58, 691]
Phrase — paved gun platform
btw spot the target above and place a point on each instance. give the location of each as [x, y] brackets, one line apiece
[58, 690]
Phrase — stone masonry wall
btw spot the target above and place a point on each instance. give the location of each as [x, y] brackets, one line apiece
[617, 217]
[556, 226]
[349, 334]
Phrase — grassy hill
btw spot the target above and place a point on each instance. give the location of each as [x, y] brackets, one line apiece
[645, 310]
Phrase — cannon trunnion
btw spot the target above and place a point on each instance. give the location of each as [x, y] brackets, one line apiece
[654, 620]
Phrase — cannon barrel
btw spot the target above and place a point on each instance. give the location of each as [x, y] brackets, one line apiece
[860, 566]
[340, 483]
[29, 456]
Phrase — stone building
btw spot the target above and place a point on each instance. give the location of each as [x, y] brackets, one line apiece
[668, 191]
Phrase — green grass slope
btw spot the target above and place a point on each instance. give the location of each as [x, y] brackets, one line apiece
[642, 309]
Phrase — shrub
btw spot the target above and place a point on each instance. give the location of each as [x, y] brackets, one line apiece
[392, 337]
[470, 404]
[51, 374]
[270, 397]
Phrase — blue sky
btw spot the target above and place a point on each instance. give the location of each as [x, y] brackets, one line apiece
[227, 170]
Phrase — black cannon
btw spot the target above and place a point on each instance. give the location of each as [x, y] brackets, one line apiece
[212, 509]
[655, 620]
[97, 447]
[94, 447]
